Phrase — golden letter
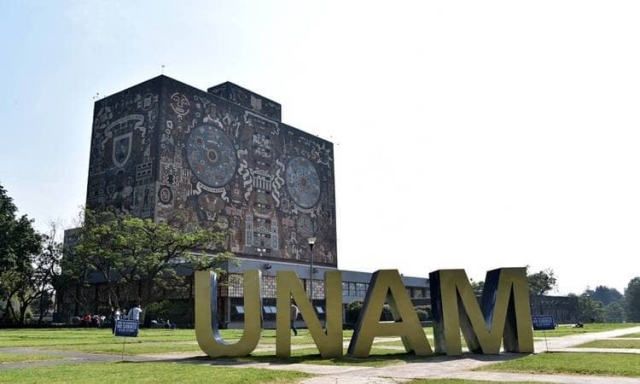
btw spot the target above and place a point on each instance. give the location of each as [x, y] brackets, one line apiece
[207, 334]
[387, 285]
[288, 285]
[505, 312]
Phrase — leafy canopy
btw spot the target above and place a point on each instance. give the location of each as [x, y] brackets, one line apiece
[541, 282]
[604, 294]
[152, 256]
[632, 298]
[18, 239]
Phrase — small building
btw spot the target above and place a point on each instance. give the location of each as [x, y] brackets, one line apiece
[564, 309]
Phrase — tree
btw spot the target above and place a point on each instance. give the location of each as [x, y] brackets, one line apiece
[32, 280]
[632, 299]
[75, 272]
[352, 312]
[17, 285]
[424, 312]
[541, 282]
[615, 312]
[590, 310]
[47, 267]
[18, 239]
[478, 287]
[153, 257]
[604, 294]
[18, 242]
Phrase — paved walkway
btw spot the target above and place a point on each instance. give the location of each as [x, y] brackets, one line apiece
[462, 367]
[435, 368]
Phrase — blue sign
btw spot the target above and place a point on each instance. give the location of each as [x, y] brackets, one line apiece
[126, 328]
[543, 322]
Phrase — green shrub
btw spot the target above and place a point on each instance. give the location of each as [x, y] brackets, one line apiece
[422, 315]
[352, 312]
[424, 312]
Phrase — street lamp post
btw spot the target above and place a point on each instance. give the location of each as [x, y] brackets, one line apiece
[311, 241]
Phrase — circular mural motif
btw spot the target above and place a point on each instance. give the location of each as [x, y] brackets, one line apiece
[165, 195]
[211, 155]
[302, 182]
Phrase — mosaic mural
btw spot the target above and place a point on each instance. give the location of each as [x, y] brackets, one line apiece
[174, 153]
[123, 151]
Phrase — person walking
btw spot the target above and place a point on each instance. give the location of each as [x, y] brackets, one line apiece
[112, 320]
[294, 316]
[115, 316]
[134, 313]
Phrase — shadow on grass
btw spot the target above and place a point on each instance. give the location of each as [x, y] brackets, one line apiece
[374, 360]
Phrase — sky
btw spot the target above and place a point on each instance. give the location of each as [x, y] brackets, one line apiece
[467, 134]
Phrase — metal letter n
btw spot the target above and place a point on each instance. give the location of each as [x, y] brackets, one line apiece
[328, 340]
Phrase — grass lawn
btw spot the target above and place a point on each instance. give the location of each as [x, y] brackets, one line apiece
[91, 340]
[85, 336]
[92, 336]
[130, 348]
[149, 341]
[127, 372]
[51, 337]
[610, 343]
[166, 341]
[157, 341]
[604, 364]
[636, 335]
[14, 358]
[566, 330]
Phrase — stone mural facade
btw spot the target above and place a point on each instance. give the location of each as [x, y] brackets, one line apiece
[170, 152]
[124, 150]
